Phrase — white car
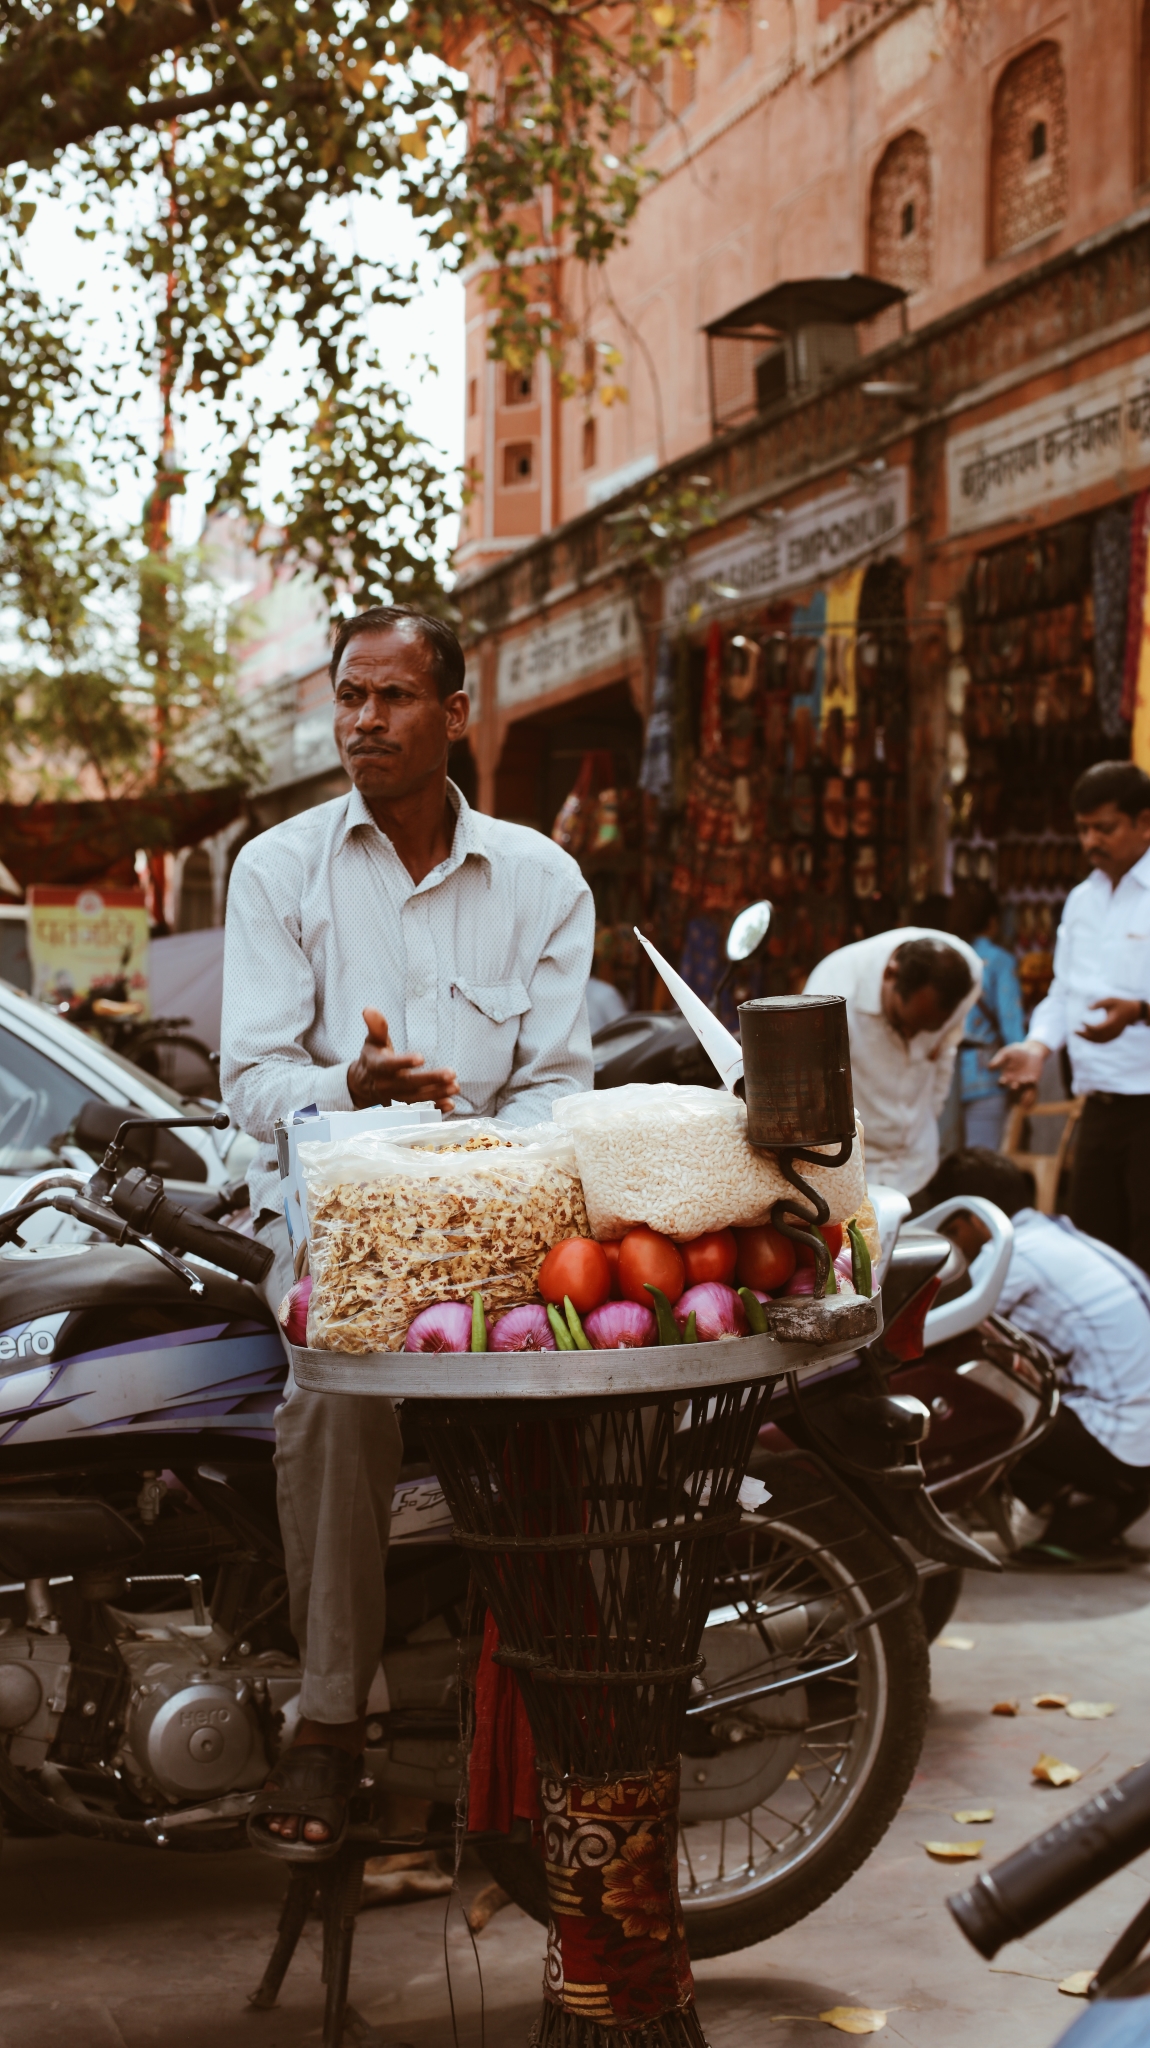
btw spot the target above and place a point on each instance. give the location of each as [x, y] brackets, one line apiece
[49, 1071]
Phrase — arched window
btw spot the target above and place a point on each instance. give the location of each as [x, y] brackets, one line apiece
[901, 230]
[197, 902]
[1028, 152]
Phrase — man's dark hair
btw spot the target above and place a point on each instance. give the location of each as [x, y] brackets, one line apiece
[973, 905]
[447, 663]
[1111, 782]
[931, 963]
[975, 1171]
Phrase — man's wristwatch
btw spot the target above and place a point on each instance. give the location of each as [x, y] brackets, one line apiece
[1144, 1013]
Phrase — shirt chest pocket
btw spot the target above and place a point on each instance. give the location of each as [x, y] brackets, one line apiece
[1130, 960]
[487, 1016]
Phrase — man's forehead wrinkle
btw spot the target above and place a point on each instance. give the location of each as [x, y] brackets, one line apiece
[367, 654]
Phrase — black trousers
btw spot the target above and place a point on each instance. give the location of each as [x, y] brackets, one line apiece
[1110, 1182]
[1071, 1461]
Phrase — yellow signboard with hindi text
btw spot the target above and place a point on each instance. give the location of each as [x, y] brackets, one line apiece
[87, 940]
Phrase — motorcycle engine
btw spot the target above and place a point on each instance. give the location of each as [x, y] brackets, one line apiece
[196, 1728]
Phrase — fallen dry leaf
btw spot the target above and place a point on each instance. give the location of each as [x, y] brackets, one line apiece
[954, 1852]
[971, 1815]
[485, 1905]
[1077, 1984]
[1005, 1707]
[1049, 1771]
[1090, 1710]
[855, 2019]
[955, 1642]
[1052, 1699]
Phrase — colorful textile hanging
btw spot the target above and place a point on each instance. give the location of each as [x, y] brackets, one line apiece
[840, 691]
[657, 774]
[1110, 581]
[711, 722]
[1135, 602]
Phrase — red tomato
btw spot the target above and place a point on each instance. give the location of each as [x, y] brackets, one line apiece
[647, 1256]
[766, 1258]
[578, 1267]
[710, 1257]
[833, 1234]
[611, 1245]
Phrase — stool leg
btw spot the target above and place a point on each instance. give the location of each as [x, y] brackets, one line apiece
[293, 1917]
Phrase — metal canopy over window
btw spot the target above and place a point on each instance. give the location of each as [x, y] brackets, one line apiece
[791, 339]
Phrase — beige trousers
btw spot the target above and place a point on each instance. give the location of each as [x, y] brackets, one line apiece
[337, 1462]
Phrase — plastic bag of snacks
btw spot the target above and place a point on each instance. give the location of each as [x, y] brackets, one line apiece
[400, 1220]
[680, 1160]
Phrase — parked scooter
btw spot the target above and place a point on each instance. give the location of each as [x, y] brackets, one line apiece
[147, 1674]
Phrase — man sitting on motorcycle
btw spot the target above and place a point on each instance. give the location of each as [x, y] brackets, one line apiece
[469, 941]
[1090, 1477]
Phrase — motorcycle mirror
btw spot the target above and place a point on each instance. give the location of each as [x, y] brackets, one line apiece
[749, 930]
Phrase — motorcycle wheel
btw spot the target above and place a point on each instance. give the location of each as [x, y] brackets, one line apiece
[938, 1598]
[821, 1769]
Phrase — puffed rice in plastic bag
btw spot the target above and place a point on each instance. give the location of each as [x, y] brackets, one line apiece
[679, 1159]
[400, 1220]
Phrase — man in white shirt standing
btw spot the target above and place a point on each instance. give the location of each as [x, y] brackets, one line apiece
[1102, 965]
[907, 994]
[1089, 1478]
[459, 941]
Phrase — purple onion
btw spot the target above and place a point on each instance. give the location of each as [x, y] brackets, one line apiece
[445, 1326]
[525, 1328]
[293, 1311]
[718, 1311]
[619, 1326]
[845, 1271]
[802, 1281]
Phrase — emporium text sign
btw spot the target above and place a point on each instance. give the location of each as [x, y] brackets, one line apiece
[806, 545]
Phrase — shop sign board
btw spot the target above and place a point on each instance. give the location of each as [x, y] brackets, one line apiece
[564, 650]
[808, 544]
[79, 939]
[1074, 438]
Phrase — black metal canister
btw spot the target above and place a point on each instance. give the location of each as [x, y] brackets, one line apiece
[797, 1070]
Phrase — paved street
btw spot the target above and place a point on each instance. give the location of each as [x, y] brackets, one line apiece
[107, 1948]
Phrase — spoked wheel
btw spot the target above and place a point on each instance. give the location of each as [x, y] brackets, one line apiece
[785, 1795]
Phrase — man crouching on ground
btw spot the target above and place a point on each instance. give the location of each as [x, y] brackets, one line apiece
[464, 945]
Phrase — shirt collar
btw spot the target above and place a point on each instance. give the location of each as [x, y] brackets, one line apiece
[469, 836]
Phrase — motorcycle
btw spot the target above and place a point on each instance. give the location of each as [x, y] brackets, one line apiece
[148, 1678]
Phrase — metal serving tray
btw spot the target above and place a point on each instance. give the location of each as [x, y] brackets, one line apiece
[805, 1336]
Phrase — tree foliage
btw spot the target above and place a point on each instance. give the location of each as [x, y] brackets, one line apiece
[226, 148]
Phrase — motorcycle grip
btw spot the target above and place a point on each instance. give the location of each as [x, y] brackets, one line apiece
[140, 1199]
[1052, 1871]
[192, 1233]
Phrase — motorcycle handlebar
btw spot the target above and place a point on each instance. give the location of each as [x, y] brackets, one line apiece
[140, 1199]
[1056, 1868]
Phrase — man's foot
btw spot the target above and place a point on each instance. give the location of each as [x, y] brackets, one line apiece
[302, 1811]
[346, 1735]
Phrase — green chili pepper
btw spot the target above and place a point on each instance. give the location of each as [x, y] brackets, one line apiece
[691, 1334]
[582, 1340]
[478, 1324]
[669, 1332]
[832, 1279]
[756, 1314]
[860, 1260]
[562, 1335]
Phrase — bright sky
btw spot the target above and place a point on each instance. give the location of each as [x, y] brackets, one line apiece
[431, 328]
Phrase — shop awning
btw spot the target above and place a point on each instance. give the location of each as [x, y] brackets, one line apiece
[80, 842]
[810, 302]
